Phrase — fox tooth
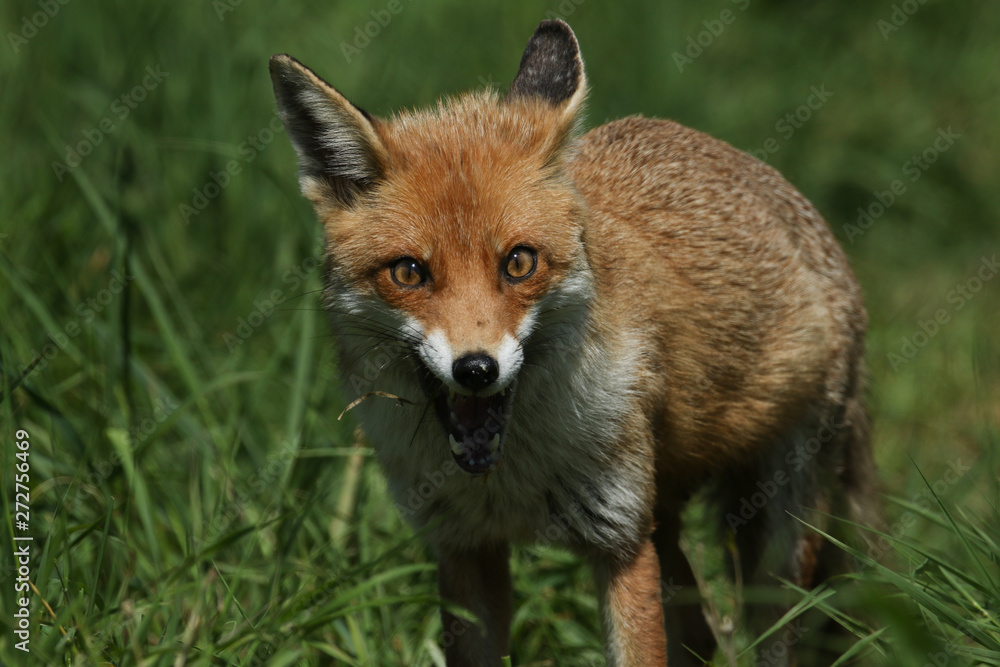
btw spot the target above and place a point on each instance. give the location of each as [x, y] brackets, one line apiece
[495, 441]
[453, 417]
[455, 447]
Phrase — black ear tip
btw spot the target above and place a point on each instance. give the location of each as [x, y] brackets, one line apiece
[281, 62]
[555, 26]
[278, 65]
[556, 30]
[551, 67]
[288, 74]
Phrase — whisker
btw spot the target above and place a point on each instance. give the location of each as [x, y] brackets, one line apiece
[420, 423]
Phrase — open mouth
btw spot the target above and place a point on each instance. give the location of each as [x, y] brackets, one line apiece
[475, 426]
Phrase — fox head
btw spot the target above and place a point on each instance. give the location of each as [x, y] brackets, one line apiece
[453, 233]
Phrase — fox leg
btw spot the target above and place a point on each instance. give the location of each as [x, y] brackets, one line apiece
[631, 610]
[830, 470]
[478, 580]
[685, 622]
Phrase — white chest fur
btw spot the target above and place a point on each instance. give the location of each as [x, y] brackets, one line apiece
[561, 478]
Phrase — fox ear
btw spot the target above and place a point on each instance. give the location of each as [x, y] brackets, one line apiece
[340, 153]
[552, 69]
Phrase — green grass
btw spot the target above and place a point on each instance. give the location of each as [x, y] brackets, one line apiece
[194, 498]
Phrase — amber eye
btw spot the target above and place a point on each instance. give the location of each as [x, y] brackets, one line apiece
[408, 272]
[521, 262]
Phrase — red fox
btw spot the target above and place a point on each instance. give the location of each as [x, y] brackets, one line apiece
[586, 330]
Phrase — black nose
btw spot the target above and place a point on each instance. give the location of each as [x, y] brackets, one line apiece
[475, 371]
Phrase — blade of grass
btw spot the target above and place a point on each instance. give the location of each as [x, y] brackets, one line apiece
[175, 347]
[916, 548]
[960, 534]
[100, 558]
[858, 647]
[350, 481]
[916, 592]
[810, 600]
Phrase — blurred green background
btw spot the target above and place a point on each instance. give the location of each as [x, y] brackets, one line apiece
[194, 498]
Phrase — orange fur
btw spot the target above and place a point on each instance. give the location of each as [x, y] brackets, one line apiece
[634, 615]
[690, 320]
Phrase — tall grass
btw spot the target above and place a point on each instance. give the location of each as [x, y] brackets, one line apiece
[935, 603]
[194, 498]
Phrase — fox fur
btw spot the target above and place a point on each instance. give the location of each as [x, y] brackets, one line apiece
[688, 320]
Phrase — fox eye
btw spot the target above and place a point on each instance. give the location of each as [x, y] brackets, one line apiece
[521, 262]
[408, 272]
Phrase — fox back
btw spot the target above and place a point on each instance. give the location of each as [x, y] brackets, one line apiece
[561, 337]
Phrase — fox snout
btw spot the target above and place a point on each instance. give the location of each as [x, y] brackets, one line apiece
[479, 370]
[472, 394]
[475, 371]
